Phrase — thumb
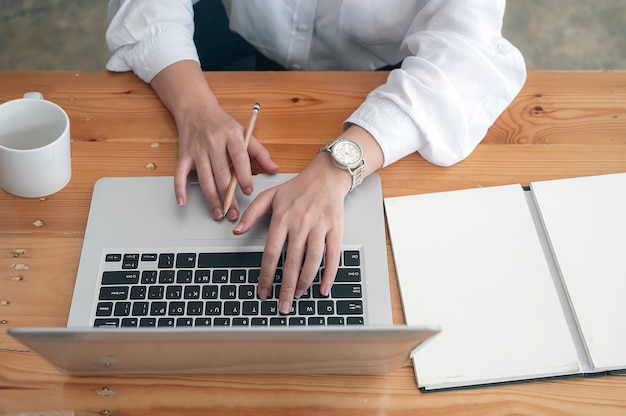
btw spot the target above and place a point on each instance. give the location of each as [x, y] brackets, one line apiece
[261, 205]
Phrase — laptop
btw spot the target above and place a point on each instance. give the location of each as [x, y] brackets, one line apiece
[167, 289]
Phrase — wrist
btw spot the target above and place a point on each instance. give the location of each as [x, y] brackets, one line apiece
[346, 155]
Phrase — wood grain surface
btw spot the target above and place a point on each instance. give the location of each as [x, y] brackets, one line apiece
[562, 124]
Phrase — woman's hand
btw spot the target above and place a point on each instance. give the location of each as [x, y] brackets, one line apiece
[307, 212]
[209, 138]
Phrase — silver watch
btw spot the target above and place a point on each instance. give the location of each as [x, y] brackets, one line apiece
[347, 155]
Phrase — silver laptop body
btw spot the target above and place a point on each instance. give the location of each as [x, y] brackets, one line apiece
[140, 215]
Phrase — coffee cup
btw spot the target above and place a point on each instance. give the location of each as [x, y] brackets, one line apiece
[35, 154]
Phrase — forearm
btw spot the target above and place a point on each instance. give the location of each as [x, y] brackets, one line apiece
[182, 87]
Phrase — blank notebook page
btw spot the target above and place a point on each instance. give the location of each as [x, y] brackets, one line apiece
[471, 261]
[585, 219]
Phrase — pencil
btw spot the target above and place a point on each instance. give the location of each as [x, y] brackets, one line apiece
[230, 192]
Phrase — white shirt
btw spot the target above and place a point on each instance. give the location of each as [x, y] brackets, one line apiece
[457, 77]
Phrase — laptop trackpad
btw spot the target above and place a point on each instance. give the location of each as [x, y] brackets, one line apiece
[200, 225]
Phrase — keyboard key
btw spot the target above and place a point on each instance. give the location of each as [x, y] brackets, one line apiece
[184, 276]
[210, 292]
[241, 321]
[184, 322]
[243, 259]
[104, 309]
[185, 260]
[129, 322]
[158, 308]
[147, 322]
[326, 307]
[335, 320]
[166, 260]
[259, 322]
[106, 322]
[351, 258]
[279, 321]
[138, 292]
[149, 257]
[192, 292]
[156, 292]
[148, 277]
[130, 261]
[316, 321]
[113, 293]
[349, 307]
[120, 278]
[166, 322]
[348, 275]
[140, 308]
[306, 307]
[174, 292]
[297, 321]
[122, 309]
[195, 308]
[202, 276]
[346, 291]
[176, 308]
[232, 307]
[203, 322]
[250, 307]
[237, 276]
[166, 276]
[220, 276]
[213, 308]
[112, 258]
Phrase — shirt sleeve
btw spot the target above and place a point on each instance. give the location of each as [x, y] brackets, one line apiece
[146, 36]
[459, 77]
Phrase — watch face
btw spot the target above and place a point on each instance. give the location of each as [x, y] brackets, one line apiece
[347, 153]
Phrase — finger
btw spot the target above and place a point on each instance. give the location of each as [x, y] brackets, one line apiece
[260, 206]
[291, 272]
[262, 156]
[331, 264]
[183, 167]
[241, 163]
[312, 261]
[209, 190]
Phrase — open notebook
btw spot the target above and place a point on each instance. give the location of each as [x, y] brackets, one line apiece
[526, 283]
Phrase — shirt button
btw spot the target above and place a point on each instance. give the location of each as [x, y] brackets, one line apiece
[296, 67]
[302, 28]
[504, 46]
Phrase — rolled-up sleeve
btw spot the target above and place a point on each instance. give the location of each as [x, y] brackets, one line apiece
[146, 36]
[459, 77]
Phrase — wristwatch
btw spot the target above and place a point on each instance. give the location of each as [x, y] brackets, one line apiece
[347, 155]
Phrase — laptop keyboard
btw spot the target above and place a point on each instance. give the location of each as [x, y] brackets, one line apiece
[198, 289]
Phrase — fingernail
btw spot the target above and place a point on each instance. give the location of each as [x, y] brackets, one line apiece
[325, 290]
[248, 190]
[180, 201]
[232, 214]
[239, 226]
[285, 308]
[299, 293]
[263, 292]
[218, 213]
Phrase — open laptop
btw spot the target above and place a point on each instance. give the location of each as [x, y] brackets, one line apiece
[167, 289]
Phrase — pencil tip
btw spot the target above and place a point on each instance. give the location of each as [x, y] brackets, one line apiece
[256, 107]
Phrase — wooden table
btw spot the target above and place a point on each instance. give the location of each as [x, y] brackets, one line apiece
[562, 124]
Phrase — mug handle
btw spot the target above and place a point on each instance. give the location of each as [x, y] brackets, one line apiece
[34, 94]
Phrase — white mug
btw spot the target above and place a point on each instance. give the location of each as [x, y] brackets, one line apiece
[35, 155]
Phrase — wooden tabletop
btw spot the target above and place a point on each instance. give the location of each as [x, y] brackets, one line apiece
[562, 124]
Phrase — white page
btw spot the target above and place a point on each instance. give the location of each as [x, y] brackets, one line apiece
[585, 219]
[471, 261]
